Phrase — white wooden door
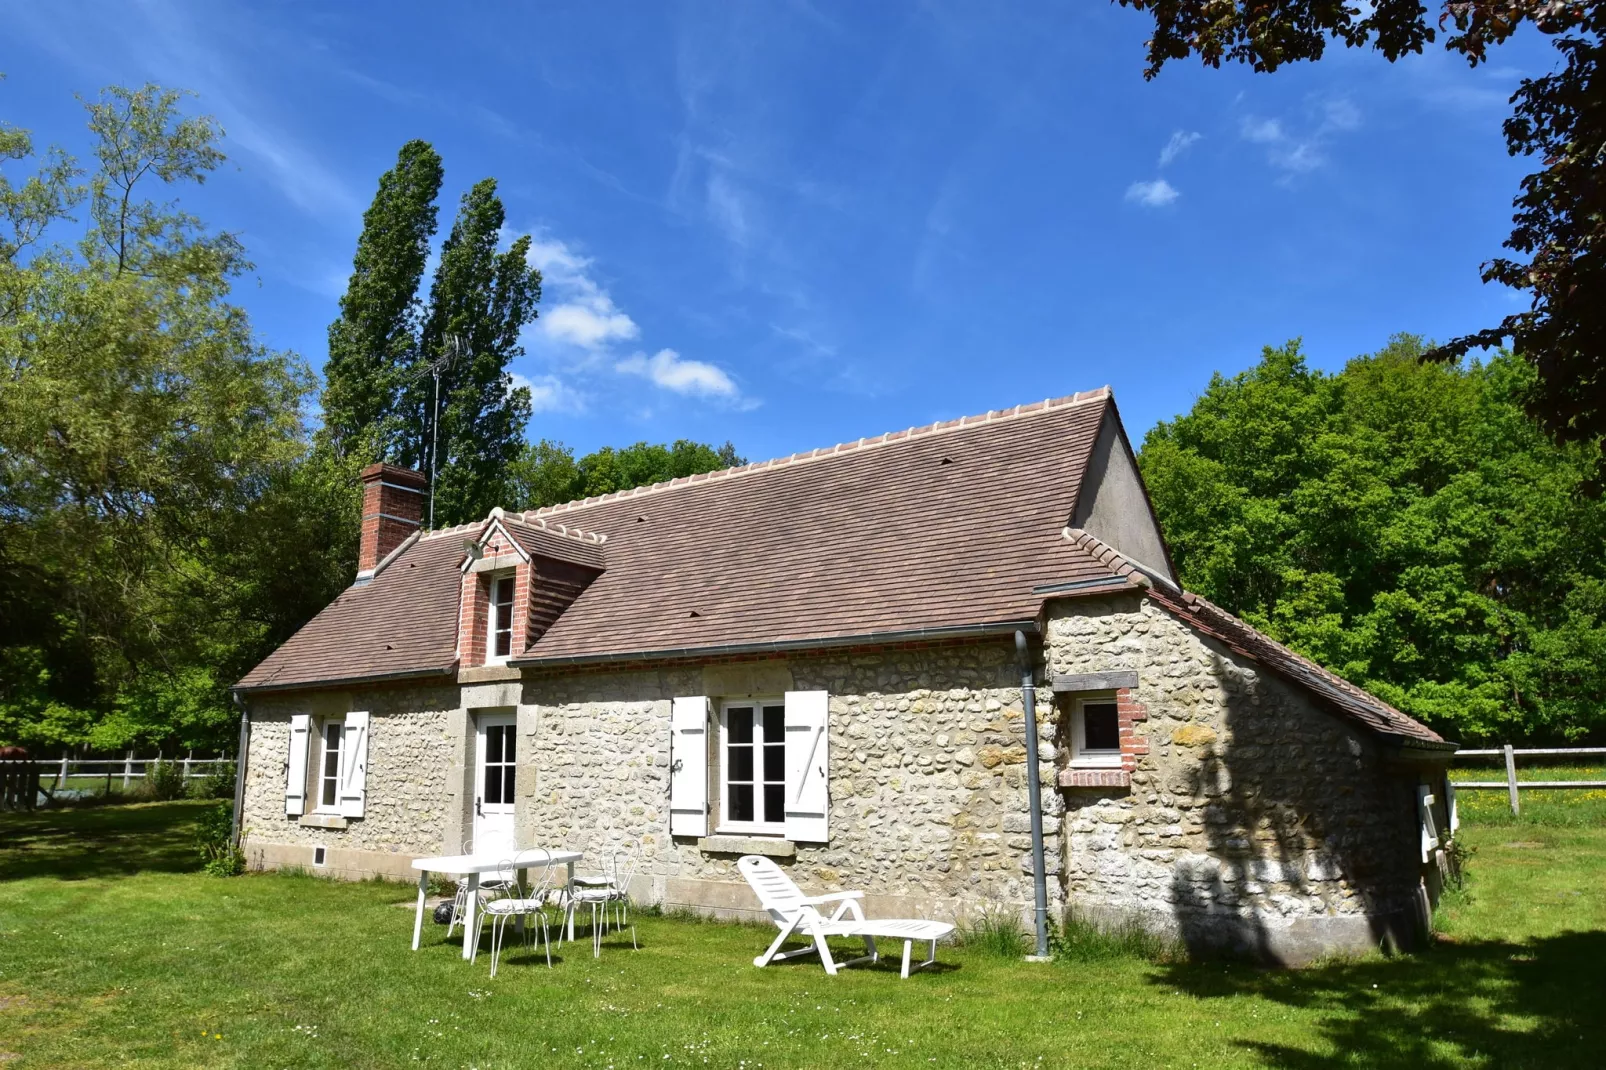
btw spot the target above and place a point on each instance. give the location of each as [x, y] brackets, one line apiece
[495, 760]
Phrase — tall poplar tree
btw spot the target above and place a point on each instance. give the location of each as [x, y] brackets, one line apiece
[375, 340]
[479, 301]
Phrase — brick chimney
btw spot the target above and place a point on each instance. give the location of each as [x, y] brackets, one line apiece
[392, 509]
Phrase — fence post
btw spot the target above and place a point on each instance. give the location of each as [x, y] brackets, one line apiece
[128, 768]
[64, 753]
[1511, 778]
[187, 756]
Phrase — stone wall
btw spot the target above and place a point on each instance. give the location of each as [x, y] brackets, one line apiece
[1253, 818]
[927, 776]
[1256, 821]
[412, 752]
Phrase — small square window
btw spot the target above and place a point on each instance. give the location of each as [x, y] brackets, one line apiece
[1095, 732]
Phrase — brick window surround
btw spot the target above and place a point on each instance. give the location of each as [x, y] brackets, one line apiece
[1129, 711]
[474, 617]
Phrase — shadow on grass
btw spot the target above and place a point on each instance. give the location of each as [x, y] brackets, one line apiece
[1484, 1003]
[106, 841]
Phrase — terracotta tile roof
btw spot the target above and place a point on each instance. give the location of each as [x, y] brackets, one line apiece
[1341, 696]
[937, 528]
[403, 622]
[538, 537]
[925, 530]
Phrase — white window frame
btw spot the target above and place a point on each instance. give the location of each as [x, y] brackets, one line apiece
[322, 777]
[751, 828]
[495, 580]
[1081, 757]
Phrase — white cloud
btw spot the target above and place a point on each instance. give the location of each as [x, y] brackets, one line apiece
[1180, 142]
[590, 322]
[548, 393]
[667, 369]
[585, 315]
[1295, 155]
[1261, 131]
[1156, 194]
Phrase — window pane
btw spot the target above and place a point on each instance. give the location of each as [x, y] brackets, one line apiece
[504, 644]
[493, 784]
[775, 762]
[504, 592]
[741, 802]
[507, 743]
[775, 802]
[1101, 728]
[507, 784]
[493, 743]
[740, 724]
[328, 793]
[741, 763]
[774, 724]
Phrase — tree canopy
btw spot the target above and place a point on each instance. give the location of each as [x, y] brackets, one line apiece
[1403, 524]
[546, 473]
[144, 432]
[1559, 230]
[425, 383]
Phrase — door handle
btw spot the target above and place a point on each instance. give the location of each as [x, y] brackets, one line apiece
[477, 809]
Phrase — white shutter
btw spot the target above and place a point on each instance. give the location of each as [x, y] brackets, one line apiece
[354, 765]
[808, 765]
[1449, 799]
[1430, 835]
[688, 767]
[295, 770]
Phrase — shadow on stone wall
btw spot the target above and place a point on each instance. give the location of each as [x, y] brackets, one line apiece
[1308, 842]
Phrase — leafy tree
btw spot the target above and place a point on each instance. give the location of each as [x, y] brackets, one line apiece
[1403, 524]
[479, 301]
[1560, 224]
[375, 340]
[546, 473]
[140, 422]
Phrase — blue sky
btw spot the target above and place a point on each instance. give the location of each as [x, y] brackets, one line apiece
[793, 224]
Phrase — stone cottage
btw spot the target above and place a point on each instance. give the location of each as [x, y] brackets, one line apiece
[813, 658]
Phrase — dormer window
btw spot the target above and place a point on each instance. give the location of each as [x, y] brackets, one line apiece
[499, 629]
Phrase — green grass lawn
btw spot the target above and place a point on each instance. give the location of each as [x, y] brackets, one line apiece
[114, 950]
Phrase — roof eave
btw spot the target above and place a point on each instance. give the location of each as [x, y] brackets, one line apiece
[782, 646]
[344, 681]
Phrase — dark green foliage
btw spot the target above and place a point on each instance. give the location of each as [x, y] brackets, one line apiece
[546, 472]
[218, 784]
[479, 301]
[214, 841]
[164, 781]
[1403, 524]
[374, 342]
[1559, 118]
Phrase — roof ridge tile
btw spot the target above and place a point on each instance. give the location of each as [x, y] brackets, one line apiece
[991, 416]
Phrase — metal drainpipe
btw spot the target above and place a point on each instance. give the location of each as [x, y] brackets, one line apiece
[239, 764]
[1034, 790]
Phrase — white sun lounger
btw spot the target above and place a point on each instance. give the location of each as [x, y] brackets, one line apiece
[796, 914]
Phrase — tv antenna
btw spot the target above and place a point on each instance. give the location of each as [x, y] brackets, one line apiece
[454, 348]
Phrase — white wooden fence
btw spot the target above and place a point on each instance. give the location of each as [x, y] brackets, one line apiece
[127, 768]
[1512, 784]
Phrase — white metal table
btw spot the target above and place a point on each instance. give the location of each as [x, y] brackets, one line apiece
[473, 866]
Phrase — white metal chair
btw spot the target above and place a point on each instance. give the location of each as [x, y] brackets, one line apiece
[796, 914]
[523, 900]
[610, 889]
[491, 889]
